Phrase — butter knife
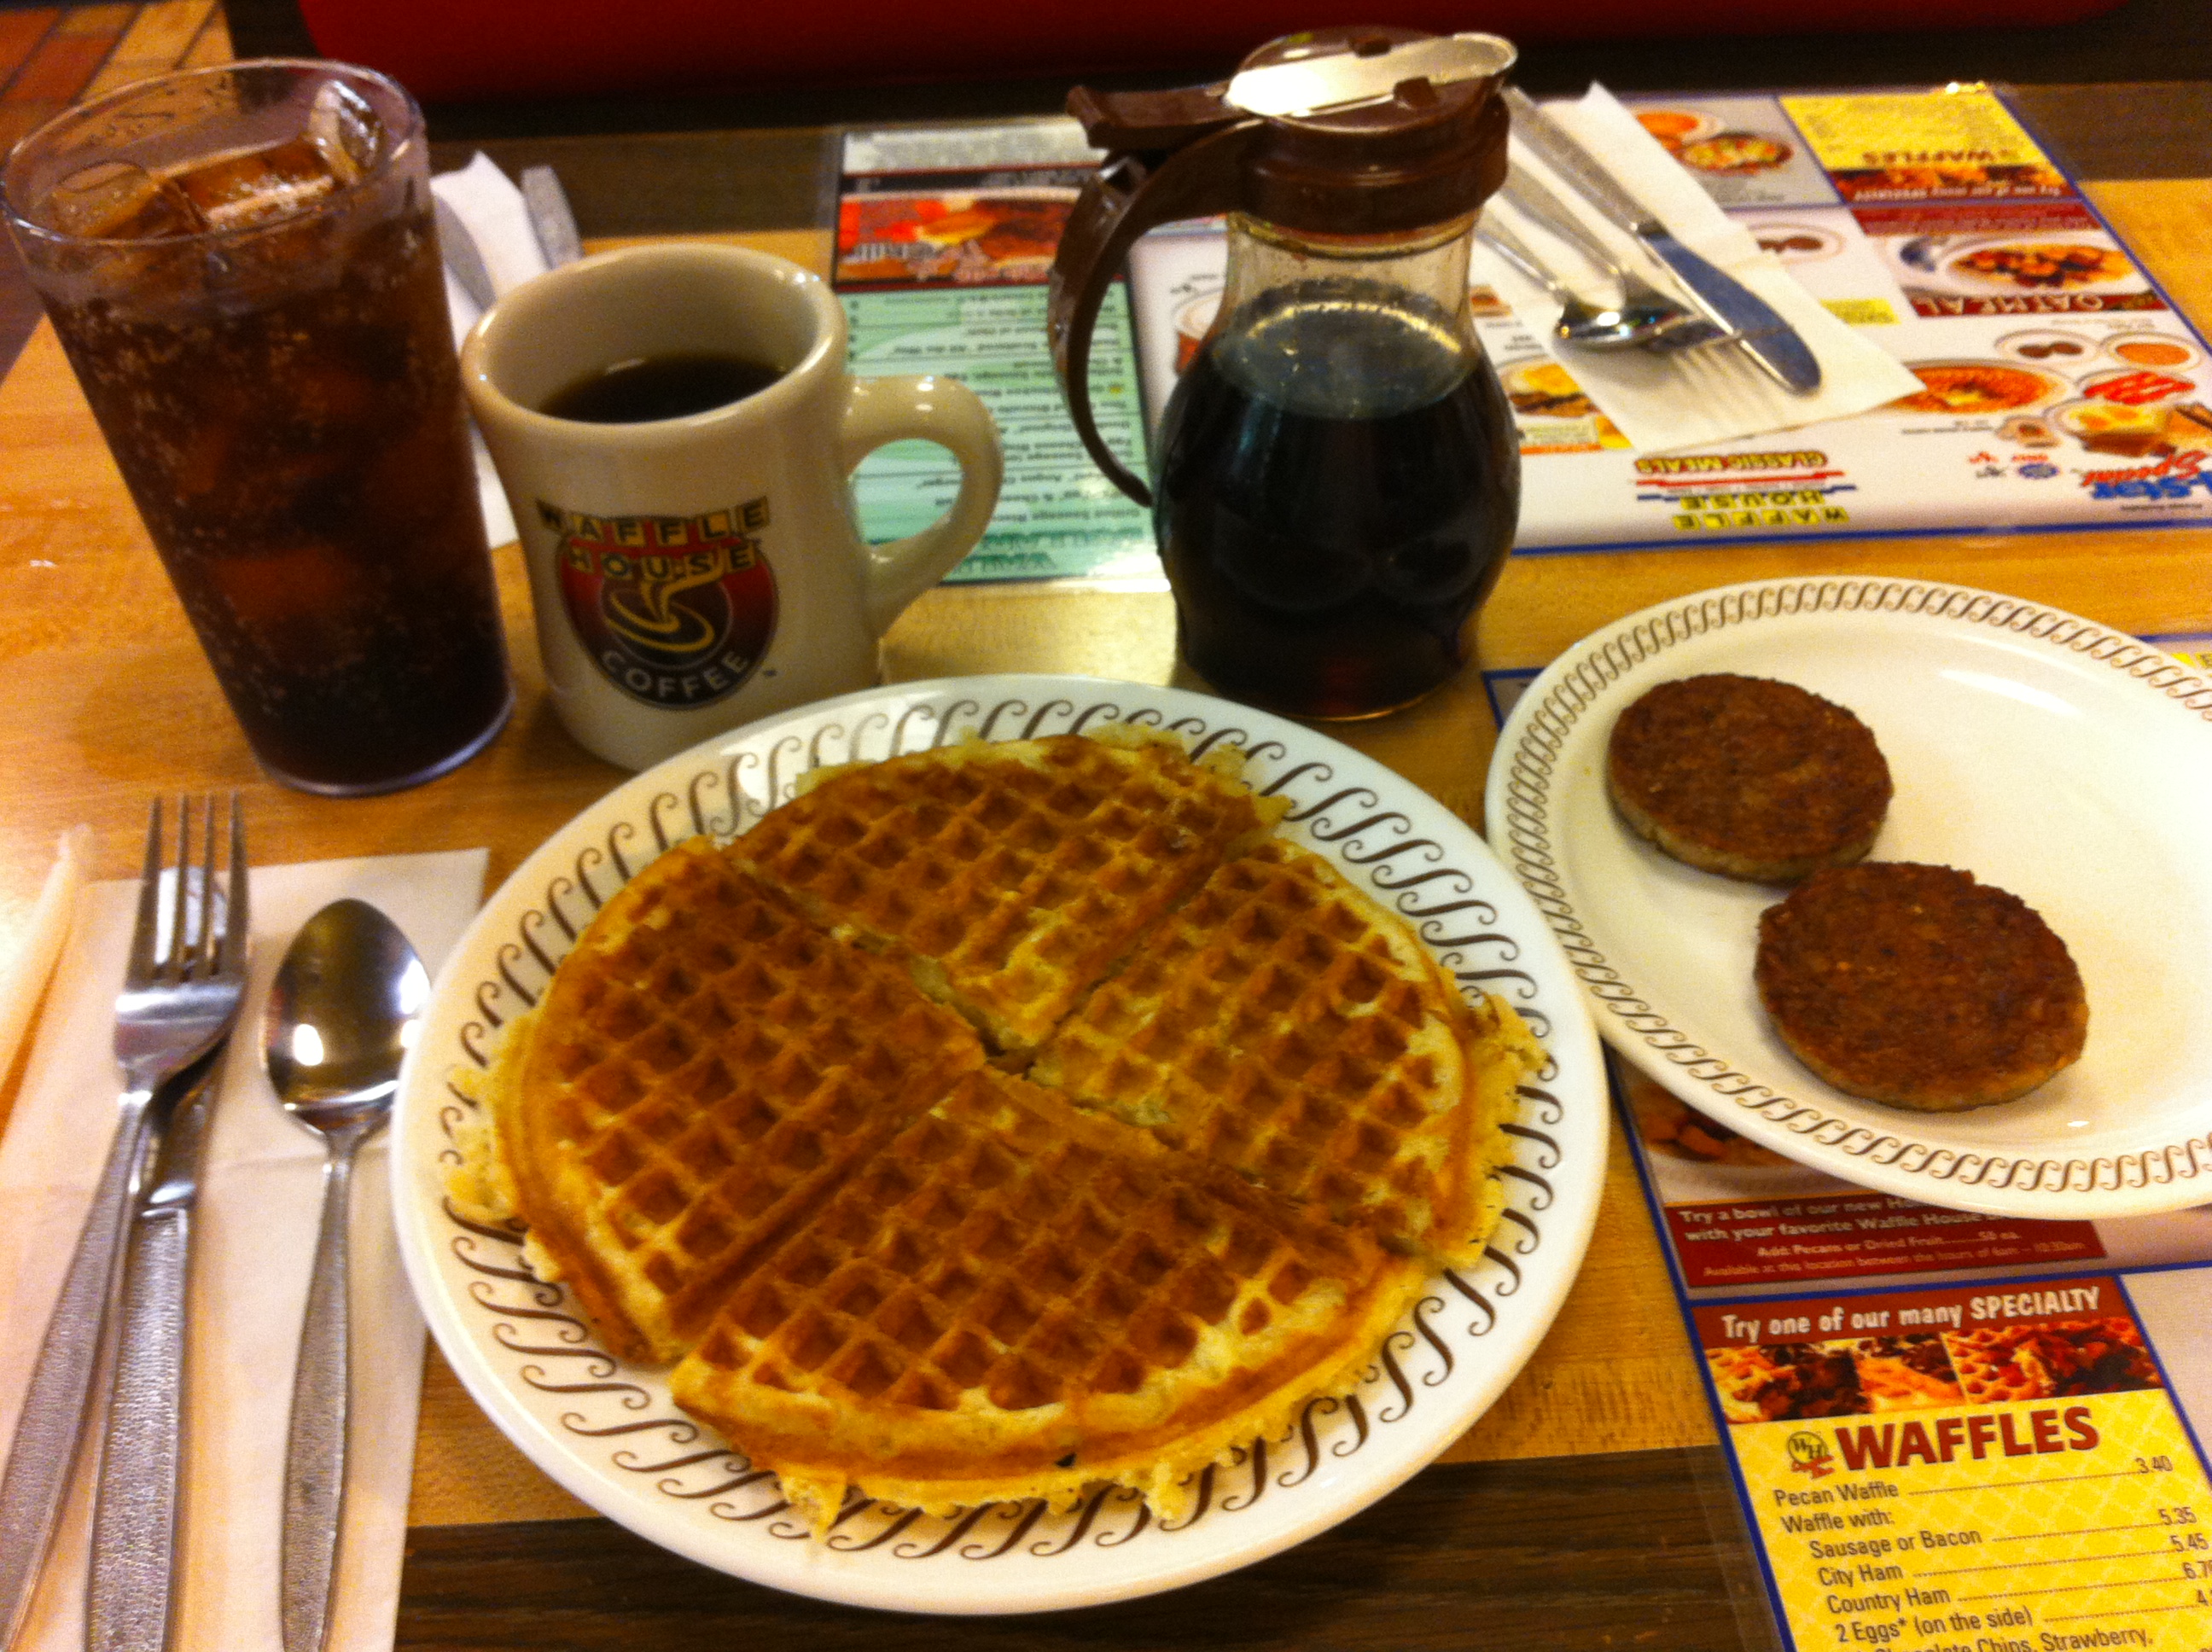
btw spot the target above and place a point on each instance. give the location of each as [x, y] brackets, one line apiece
[461, 256]
[550, 219]
[1769, 339]
[130, 1597]
[57, 1412]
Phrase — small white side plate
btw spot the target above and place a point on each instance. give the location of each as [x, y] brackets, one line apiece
[2047, 755]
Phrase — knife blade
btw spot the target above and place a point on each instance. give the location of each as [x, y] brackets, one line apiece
[551, 219]
[1768, 340]
[462, 255]
[131, 1596]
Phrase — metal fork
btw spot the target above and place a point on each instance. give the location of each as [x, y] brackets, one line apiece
[180, 996]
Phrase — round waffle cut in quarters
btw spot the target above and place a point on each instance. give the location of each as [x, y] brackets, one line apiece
[742, 1125]
[1748, 778]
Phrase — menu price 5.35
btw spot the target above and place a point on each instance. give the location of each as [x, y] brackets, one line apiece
[1964, 1470]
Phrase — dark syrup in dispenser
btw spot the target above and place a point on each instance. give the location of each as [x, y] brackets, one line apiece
[1337, 488]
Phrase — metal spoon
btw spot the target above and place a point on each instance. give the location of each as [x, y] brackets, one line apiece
[1670, 324]
[1580, 323]
[341, 1011]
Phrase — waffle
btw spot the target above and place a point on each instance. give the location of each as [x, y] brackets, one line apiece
[1015, 1299]
[1009, 877]
[1771, 1383]
[763, 1123]
[707, 1067]
[1902, 1373]
[2050, 1361]
[1283, 1024]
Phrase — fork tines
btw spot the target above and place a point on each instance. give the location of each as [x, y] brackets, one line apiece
[193, 946]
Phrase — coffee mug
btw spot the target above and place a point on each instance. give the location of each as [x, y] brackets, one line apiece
[693, 573]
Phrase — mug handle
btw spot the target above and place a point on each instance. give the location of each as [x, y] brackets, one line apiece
[934, 409]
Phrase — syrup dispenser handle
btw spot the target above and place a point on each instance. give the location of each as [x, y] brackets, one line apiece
[1134, 192]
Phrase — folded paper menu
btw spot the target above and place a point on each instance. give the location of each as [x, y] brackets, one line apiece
[1696, 397]
[260, 1203]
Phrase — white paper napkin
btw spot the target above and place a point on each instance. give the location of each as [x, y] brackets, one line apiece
[492, 208]
[1698, 396]
[258, 1207]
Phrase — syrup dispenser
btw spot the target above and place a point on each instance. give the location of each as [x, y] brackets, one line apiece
[1337, 478]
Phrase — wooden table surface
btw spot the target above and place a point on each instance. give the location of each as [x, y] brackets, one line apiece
[1571, 1515]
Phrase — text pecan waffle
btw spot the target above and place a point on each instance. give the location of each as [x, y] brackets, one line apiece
[1013, 875]
[1284, 1024]
[741, 1126]
[2050, 1361]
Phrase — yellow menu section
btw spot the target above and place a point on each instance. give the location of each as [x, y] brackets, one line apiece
[2069, 1525]
[1912, 129]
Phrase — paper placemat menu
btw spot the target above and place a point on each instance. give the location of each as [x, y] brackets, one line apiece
[2059, 387]
[1974, 1469]
[945, 238]
[2005, 1461]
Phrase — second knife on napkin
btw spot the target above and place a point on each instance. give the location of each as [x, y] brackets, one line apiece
[131, 1596]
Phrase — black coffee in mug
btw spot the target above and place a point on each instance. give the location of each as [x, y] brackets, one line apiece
[660, 387]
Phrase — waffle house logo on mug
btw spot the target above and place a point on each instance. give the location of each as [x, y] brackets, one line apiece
[675, 611]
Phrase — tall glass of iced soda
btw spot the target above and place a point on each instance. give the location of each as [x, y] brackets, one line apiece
[242, 266]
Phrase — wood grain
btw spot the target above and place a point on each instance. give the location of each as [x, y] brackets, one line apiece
[1605, 1551]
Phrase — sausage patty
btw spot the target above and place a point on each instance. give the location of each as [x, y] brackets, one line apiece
[1749, 778]
[1918, 986]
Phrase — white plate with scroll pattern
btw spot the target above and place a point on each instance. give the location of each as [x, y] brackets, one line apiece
[2047, 755]
[607, 1431]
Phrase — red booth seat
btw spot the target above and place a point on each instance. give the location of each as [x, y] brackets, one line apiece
[461, 50]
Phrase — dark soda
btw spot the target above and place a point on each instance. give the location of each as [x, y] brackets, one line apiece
[1338, 486]
[292, 431]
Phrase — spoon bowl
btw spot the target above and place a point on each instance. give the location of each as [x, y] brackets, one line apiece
[344, 1008]
[1645, 316]
[341, 1013]
[1645, 319]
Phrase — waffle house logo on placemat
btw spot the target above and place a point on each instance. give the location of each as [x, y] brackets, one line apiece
[675, 611]
[1809, 1455]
